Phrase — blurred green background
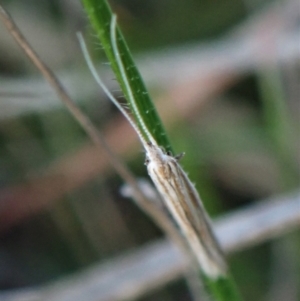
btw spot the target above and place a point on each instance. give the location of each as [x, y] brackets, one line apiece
[241, 140]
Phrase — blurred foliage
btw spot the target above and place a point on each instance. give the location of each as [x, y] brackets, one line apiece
[230, 153]
[176, 23]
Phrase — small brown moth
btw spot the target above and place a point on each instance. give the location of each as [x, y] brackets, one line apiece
[178, 193]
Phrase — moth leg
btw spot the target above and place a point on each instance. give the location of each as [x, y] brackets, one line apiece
[179, 156]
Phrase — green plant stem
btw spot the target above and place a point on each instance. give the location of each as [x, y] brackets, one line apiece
[221, 289]
[100, 15]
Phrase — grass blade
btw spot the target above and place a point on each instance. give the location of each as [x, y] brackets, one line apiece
[100, 16]
[220, 286]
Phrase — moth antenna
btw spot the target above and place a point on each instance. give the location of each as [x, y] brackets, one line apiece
[104, 88]
[113, 33]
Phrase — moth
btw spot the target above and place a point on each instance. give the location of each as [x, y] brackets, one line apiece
[178, 193]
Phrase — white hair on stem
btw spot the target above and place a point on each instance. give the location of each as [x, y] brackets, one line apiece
[178, 193]
[113, 33]
[99, 81]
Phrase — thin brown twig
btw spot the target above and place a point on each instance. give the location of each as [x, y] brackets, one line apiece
[86, 124]
[63, 175]
[158, 215]
[82, 119]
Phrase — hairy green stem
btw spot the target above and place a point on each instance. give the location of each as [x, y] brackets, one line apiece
[221, 286]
